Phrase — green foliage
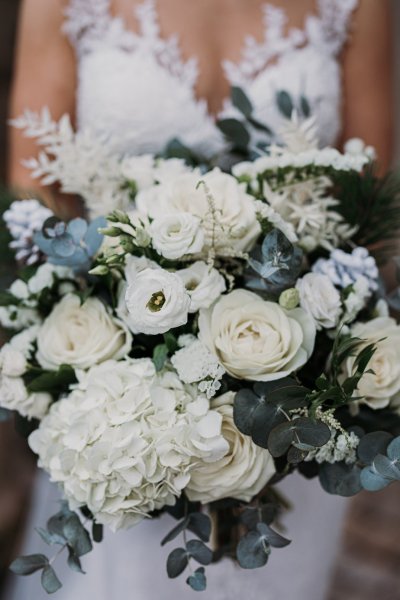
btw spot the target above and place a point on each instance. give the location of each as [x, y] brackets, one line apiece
[372, 204]
[197, 581]
[340, 479]
[384, 468]
[54, 382]
[255, 547]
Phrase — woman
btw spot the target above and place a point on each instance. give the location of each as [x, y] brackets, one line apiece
[118, 69]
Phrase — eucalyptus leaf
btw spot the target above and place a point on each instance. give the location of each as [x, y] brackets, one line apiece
[198, 581]
[312, 433]
[235, 131]
[340, 479]
[160, 355]
[97, 532]
[179, 528]
[373, 444]
[372, 481]
[280, 438]
[200, 524]
[77, 536]
[241, 101]
[285, 103]
[305, 106]
[50, 581]
[74, 562]
[199, 551]
[5, 414]
[252, 551]
[393, 450]
[177, 562]
[26, 565]
[386, 468]
[273, 538]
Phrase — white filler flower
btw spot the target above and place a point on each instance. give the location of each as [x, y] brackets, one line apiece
[156, 301]
[241, 473]
[125, 441]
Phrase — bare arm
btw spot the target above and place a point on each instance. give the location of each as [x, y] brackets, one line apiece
[368, 79]
[44, 75]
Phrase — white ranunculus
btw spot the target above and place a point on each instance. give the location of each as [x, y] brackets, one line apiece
[382, 386]
[46, 275]
[242, 473]
[203, 283]
[255, 339]
[15, 396]
[156, 301]
[126, 439]
[81, 335]
[12, 361]
[320, 299]
[176, 235]
[226, 210]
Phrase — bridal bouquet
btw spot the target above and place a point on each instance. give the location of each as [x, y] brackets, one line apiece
[202, 336]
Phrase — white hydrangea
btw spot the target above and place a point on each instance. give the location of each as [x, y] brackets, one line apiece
[194, 363]
[125, 441]
[16, 317]
[345, 268]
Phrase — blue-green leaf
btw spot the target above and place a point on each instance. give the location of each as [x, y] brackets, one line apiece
[50, 581]
[177, 562]
[26, 565]
[199, 551]
[252, 551]
[197, 581]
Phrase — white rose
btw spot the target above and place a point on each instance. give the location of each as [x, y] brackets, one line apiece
[320, 298]
[242, 473]
[46, 275]
[255, 339]
[15, 396]
[203, 283]
[382, 386]
[156, 301]
[176, 235]
[12, 361]
[226, 210]
[81, 335]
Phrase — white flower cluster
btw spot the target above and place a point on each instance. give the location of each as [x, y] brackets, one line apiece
[24, 312]
[23, 219]
[265, 212]
[345, 268]
[126, 440]
[85, 164]
[341, 447]
[14, 395]
[308, 207]
[320, 299]
[194, 363]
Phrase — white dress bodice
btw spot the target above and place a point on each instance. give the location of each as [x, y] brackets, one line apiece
[137, 88]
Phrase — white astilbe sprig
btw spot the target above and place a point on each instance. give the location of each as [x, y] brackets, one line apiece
[298, 135]
[79, 161]
[341, 447]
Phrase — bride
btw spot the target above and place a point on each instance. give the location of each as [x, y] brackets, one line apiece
[147, 71]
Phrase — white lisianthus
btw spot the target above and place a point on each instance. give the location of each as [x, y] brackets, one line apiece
[177, 234]
[15, 396]
[320, 298]
[226, 210]
[46, 275]
[12, 361]
[381, 386]
[255, 339]
[81, 335]
[242, 473]
[156, 301]
[203, 283]
[125, 441]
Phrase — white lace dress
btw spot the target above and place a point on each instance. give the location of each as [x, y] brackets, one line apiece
[136, 87]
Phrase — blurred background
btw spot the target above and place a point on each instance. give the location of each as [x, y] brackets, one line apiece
[368, 562]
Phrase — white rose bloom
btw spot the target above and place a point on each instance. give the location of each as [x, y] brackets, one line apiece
[81, 335]
[15, 396]
[156, 301]
[320, 299]
[226, 210]
[46, 275]
[12, 361]
[176, 235]
[381, 387]
[203, 283]
[255, 339]
[125, 441]
[242, 473]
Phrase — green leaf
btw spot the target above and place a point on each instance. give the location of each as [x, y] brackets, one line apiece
[50, 581]
[281, 438]
[285, 103]
[296, 455]
[77, 536]
[372, 481]
[199, 551]
[73, 562]
[53, 381]
[26, 565]
[273, 538]
[253, 515]
[236, 132]
[160, 355]
[5, 414]
[252, 551]
[197, 581]
[393, 450]
[259, 126]
[241, 101]
[305, 106]
[177, 562]
[340, 479]
[386, 468]
[200, 525]
[171, 342]
[50, 538]
[373, 444]
[7, 299]
[97, 532]
[180, 527]
[312, 433]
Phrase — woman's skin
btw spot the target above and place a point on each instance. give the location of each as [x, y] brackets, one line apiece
[211, 30]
